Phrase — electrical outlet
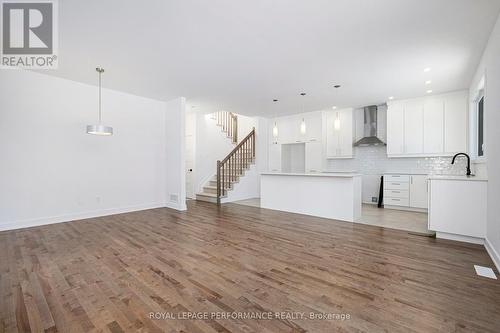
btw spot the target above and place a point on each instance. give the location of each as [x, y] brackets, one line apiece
[374, 199]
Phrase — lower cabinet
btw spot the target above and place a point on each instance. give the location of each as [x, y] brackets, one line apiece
[418, 191]
[405, 191]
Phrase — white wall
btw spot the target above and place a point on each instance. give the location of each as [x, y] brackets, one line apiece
[175, 159]
[490, 68]
[52, 171]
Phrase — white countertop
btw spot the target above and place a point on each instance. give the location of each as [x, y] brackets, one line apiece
[318, 174]
[406, 173]
[452, 177]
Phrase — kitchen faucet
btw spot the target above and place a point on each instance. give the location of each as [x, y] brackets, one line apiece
[468, 161]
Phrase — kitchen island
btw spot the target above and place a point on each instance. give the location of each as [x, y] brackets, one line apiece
[330, 195]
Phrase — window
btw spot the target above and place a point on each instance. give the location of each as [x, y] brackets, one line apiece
[480, 127]
[477, 119]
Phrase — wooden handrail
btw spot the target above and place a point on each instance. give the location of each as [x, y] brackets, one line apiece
[234, 164]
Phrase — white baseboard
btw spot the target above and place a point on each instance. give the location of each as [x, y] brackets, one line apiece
[176, 206]
[493, 253]
[459, 238]
[77, 216]
[408, 209]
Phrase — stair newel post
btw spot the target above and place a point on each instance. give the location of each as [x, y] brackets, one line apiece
[253, 141]
[218, 182]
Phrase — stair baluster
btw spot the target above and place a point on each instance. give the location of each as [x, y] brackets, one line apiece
[228, 170]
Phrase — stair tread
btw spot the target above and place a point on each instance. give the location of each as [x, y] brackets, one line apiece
[212, 195]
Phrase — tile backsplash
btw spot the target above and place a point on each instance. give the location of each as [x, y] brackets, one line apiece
[373, 160]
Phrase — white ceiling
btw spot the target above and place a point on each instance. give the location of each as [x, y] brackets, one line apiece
[239, 55]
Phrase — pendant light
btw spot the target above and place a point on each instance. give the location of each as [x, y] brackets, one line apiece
[275, 127]
[100, 129]
[303, 123]
[336, 123]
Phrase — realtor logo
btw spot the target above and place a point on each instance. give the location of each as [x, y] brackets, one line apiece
[29, 34]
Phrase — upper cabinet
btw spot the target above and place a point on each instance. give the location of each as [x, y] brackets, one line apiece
[432, 126]
[455, 123]
[339, 133]
[306, 127]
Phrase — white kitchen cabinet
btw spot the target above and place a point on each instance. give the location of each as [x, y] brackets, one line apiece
[418, 191]
[339, 133]
[287, 130]
[274, 158]
[314, 156]
[434, 126]
[455, 124]
[430, 126]
[413, 128]
[314, 126]
[395, 125]
[403, 191]
[457, 208]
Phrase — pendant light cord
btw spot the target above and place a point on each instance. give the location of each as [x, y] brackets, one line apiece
[100, 120]
[100, 71]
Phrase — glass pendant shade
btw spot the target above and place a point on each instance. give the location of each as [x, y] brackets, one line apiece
[275, 130]
[303, 127]
[336, 124]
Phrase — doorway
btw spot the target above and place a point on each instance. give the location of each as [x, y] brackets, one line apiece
[190, 154]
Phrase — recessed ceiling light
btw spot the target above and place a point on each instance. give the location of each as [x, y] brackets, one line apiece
[429, 91]
[334, 108]
[391, 97]
[427, 69]
[428, 82]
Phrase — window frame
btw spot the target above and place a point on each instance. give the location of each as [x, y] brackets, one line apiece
[474, 124]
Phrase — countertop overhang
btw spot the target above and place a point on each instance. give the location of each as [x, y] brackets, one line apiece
[461, 178]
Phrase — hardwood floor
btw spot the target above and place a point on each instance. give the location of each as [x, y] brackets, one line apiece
[110, 274]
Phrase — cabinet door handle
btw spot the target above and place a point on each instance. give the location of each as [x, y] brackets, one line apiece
[396, 183]
[396, 192]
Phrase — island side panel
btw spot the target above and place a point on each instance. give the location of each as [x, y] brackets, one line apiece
[329, 197]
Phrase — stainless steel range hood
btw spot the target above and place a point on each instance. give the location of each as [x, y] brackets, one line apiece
[370, 128]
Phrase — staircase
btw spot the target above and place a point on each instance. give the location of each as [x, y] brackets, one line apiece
[229, 170]
[228, 122]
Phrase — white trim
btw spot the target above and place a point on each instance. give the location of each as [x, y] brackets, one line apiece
[77, 216]
[459, 238]
[176, 206]
[495, 257]
[407, 208]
